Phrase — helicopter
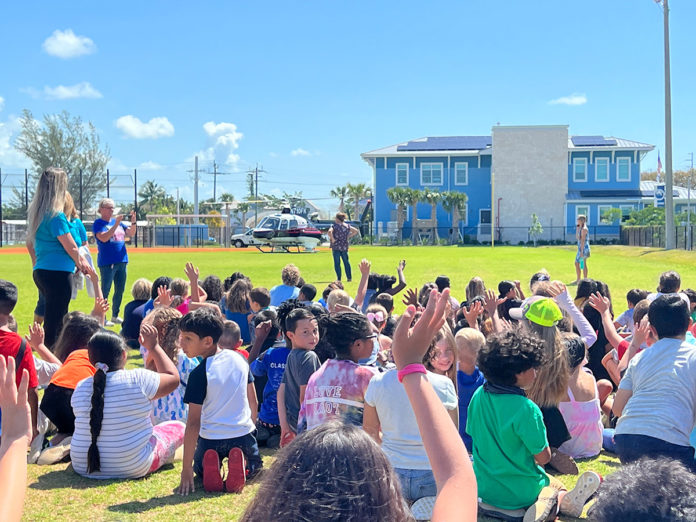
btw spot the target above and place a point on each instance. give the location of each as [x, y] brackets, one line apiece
[285, 231]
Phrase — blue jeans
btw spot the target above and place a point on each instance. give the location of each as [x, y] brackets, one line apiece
[337, 256]
[115, 274]
[247, 444]
[416, 483]
[631, 447]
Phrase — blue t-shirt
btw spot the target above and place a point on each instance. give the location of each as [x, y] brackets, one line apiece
[270, 363]
[78, 232]
[282, 293]
[50, 254]
[114, 250]
[466, 386]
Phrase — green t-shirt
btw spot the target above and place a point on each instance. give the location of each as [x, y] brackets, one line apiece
[507, 431]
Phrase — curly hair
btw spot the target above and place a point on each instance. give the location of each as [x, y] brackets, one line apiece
[343, 329]
[290, 275]
[333, 472]
[509, 353]
[238, 296]
[213, 288]
[166, 321]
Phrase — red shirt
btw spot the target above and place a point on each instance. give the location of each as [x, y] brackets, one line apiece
[9, 347]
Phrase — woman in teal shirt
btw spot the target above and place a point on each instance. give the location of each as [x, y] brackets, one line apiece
[53, 250]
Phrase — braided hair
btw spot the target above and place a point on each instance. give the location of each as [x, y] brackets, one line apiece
[106, 354]
[343, 329]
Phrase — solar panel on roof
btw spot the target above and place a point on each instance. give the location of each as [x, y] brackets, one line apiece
[449, 143]
[592, 141]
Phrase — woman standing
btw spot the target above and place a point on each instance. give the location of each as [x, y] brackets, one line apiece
[54, 253]
[583, 237]
[339, 237]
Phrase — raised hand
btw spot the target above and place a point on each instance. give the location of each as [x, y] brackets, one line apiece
[491, 302]
[410, 344]
[556, 288]
[642, 332]
[101, 306]
[148, 336]
[401, 266]
[164, 297]
[191, 272]
[132, 216]
[90, 272]
[410, 297]
[365, 267]
[599, 302]
[262, 330]
[36, 336]
[16, 413]
[119, 218]
[472, 312]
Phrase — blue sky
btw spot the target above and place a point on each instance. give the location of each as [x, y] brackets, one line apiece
[303, 88]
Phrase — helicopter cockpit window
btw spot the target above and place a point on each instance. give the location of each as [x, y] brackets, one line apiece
[284, 224]
[293, 223]
[271, 223]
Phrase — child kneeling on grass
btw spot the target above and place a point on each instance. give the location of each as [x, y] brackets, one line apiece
[114, 436]
[509, 438]
[220, 421]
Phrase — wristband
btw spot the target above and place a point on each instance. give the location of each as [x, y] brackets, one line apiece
[410, 368]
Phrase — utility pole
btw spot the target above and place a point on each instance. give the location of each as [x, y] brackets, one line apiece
[688, 205]
[215, 175]
[195, 190]
[107, 183]
[255, 172]
[135, 202]
[80, 194]
[178, 212]
[670, 239]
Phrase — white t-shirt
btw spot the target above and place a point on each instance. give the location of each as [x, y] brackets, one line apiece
[663, 381]
[219, 384]
[125, 449]
[401, 440]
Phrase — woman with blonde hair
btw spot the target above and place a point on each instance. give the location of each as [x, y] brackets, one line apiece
[582, 234]
[54, 253]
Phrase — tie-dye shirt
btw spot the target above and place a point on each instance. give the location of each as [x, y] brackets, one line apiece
[336, 391]
[172, 407]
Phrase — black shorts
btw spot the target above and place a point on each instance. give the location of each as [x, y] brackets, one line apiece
[56, 406]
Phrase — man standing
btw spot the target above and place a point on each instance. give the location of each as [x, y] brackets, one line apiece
[339, 237]
[112, 258]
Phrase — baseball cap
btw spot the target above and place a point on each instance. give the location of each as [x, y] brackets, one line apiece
[540, 310]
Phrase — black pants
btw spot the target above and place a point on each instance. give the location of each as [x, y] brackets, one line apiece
[56, 406]
[633, 447]
[57, 289]
[556, 429]
[246, 443]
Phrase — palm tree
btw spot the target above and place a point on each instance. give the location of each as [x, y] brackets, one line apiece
[432, 197]
[151, 194]
[357, 192]
[398, 196]
[454, 202]
[243, 209]
[340, 193]
[226, 197]
[412, 197]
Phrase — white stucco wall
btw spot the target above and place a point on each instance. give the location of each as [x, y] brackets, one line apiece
[530, 164]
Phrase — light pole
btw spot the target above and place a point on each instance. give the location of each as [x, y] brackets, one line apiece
[670, 238]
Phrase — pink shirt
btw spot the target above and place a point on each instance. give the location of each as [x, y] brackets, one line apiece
[584, 421]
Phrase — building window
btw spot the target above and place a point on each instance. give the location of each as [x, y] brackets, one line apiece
[626, 212]
[602, 169]
[603, 219]
[485, 216]
[580, 169]
[402, 174]
[623, 169]
[431, 173]
[582, 210]
[461, 173]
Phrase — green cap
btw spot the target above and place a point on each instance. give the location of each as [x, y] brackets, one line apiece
[540, 310]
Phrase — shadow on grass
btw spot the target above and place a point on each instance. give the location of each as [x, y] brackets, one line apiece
[68, 478]
[137, 506]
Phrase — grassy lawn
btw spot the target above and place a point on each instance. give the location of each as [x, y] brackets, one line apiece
[56, 492]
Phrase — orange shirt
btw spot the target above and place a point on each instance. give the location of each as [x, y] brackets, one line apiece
[75, 368]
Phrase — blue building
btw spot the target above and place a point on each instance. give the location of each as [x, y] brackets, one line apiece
[517, 171]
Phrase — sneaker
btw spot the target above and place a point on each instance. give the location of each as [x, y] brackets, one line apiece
[236, 472]
[544, 508]
[108, 323]
[511, 515]
[54, 454]
[212, 480]
[422, 509]
[574, 501]
[563, 463]
[117, 320]
[37, 445]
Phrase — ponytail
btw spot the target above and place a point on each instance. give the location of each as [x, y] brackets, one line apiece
[96, 415]
[343, 329]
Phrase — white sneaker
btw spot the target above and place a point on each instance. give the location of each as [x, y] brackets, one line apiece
[55, 454]
[117, 320]
[422, 509]
[574, 501]
[108, 323]
[35, 448]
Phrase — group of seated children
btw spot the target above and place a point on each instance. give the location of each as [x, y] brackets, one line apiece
[513, 374]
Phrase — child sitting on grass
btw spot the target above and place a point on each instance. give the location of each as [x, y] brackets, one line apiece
[220, 421]
[236, 307]
[337, 389]
[625, 320]
[114, 436]
[656, 400]
[302, 331]
[231, 339]
[307, 294]
[469, 378]
[509, 438]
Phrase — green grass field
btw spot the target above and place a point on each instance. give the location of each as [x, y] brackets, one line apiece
[56, 492]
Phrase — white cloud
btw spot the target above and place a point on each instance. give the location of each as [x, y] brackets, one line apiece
[574, 99]
[224, 140]
[70, 92]
[9, 156]
[2, 103]
[133, 127]
[150, 165]
[66, 44]
[300, 152]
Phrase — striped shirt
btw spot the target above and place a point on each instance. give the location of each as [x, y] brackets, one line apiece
[124, 442]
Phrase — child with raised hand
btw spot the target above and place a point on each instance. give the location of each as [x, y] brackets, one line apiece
[336, 391]
[220, 421]
[509, 438]
[302, 331]
[469, 342]
[113, 398]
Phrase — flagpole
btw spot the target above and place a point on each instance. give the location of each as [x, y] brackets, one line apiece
[670, 239]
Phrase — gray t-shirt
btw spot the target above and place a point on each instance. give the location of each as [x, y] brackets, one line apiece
[663, 381]
[299, 367]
